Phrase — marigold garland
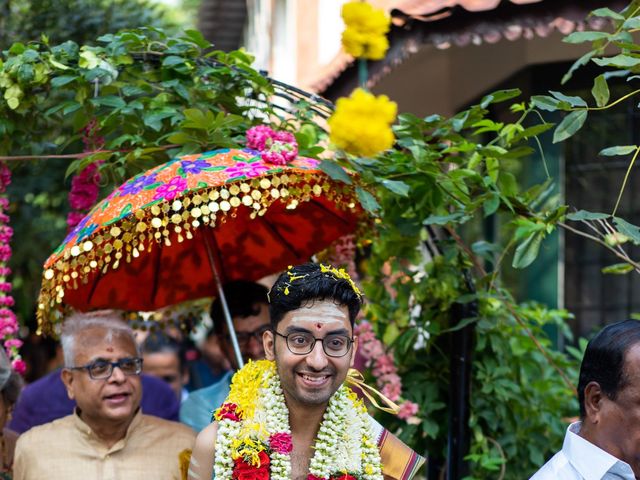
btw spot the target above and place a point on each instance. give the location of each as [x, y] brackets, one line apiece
[365, 32]
[361, 123]
[254, 437]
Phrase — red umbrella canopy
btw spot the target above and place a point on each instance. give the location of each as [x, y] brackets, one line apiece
[145, 245]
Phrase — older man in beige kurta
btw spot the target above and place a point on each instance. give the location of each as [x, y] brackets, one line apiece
[107, 437]
[67, 448]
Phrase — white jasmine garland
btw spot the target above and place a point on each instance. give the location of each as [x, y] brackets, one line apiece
[345, 442]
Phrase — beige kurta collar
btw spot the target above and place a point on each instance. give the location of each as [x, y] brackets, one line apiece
[89, 435]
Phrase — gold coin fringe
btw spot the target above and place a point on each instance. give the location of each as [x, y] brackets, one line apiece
[174, 220]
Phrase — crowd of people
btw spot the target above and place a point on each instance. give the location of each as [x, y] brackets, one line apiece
[127, 404]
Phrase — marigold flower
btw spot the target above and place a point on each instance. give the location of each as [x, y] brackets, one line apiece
[365, 32]
[361, 123]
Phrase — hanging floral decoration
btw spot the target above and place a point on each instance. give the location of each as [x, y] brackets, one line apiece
[85, 185]
[365, 35]
[383, 368]
[254, 438]
[275, 147]
[8, 320]
[361, 123]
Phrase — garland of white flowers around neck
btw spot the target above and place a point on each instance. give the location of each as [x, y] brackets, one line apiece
[254, 438]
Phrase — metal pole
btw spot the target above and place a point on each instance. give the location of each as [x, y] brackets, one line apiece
[460, 386]
[223, 301]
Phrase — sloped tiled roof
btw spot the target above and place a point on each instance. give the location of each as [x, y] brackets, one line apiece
[457, 23]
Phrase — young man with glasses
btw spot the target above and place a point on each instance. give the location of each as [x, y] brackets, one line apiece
[292, 416]
[107, 436]
[249, 309]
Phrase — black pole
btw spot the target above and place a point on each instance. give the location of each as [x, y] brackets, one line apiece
[460, 386]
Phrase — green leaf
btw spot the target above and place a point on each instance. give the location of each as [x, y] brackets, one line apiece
[632, 23]
[62, 80]
[606, 12]
[618, 268]
[569, 125]
[628, 229]
[545, 102]
[13, 103]
[573, 101]
[581, 37]
[600, 90]
[582, 61]
[443, 219]
[527, 251]
[396, 186]
[368, 201]
[335, 171]
[499, 96]
[196, 37]
[172, 60]
[621, 60]
[112, 101]
[619, 150]
[586, 215]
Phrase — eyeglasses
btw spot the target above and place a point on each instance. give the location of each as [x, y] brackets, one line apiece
[245, 337]
[301, 343]
[101, 369]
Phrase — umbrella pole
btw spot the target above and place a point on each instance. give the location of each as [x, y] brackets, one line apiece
[223, 301]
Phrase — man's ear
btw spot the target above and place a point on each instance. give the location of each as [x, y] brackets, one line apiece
[67, 379]
[593, 402]
[354, 350]
[268, 343]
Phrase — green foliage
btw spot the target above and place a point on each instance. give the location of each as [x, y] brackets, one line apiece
[455, 172]
[81, 21]
[151, 96]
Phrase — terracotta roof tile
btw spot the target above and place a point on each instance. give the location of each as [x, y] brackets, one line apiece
[443, 24]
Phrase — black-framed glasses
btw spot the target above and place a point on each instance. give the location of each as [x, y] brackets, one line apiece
[303, 343]
[102, 369]
[245, 337]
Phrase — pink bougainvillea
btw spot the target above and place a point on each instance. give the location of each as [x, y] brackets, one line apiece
[85, 185]
[277, 148]
[8, 320]
[384, 369]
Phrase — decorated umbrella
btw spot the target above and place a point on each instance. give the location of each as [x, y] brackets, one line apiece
[181, 229]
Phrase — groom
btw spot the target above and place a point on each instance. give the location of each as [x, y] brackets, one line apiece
[312, 310]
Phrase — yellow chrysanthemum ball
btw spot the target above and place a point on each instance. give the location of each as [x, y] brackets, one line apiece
[365, 32]
[361, 123]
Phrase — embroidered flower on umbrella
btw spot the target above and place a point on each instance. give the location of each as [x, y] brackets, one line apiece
[170, 190]
[278, 148]
[244, 169]
[194, 167]
[136, 184]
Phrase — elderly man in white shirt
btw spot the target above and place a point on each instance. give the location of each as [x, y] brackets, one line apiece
[605, 445]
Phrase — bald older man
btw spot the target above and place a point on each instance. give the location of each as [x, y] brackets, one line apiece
[107, 436]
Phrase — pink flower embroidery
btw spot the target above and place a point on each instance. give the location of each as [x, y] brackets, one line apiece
[243, 169]
[170, 190]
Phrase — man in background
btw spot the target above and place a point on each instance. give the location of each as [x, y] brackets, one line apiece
[249, 308]
[158, 399]
[163, 358]
[107, 435]
[605, 443]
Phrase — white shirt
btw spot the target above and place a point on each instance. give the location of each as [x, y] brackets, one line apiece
[580, 459]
